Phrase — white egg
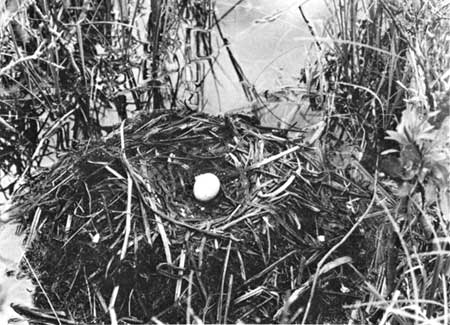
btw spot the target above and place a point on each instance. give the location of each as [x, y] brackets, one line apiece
[206, 187]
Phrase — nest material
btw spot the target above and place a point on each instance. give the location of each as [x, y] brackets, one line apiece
[116, 232]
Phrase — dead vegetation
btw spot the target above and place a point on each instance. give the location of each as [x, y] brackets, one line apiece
[352, 227]
[116, 232]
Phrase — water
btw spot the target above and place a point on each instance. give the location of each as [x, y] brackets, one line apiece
[13, 288]
[267, 39]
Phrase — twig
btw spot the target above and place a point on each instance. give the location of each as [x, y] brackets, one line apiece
[128, 215]
[274, 157]
[222, 284]
[310, 27]
[42, 289]
[270, 267]
[34, 56]
[112, 302]
[229, 292]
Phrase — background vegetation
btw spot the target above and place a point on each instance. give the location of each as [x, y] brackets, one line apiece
[72, 69]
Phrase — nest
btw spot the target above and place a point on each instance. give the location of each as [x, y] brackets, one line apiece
[114, 230]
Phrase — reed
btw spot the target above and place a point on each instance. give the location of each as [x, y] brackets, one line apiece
[347, 224]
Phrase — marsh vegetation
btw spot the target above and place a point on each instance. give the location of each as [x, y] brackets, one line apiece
[334, 201]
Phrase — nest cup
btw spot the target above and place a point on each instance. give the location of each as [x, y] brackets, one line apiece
[114, 227]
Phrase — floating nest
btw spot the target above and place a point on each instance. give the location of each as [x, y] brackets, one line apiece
[114, 231]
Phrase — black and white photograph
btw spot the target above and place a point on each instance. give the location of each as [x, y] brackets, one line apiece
[224, 162]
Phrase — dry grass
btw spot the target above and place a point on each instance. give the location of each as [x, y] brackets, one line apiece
[115, 232]
[354, 230]
[71, 70]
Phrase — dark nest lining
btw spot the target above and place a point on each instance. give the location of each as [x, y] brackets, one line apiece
[237, 257]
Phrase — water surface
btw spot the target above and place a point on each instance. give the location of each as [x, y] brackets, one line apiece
[268, 40]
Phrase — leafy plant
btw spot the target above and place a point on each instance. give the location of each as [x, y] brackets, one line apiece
[424, 150]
